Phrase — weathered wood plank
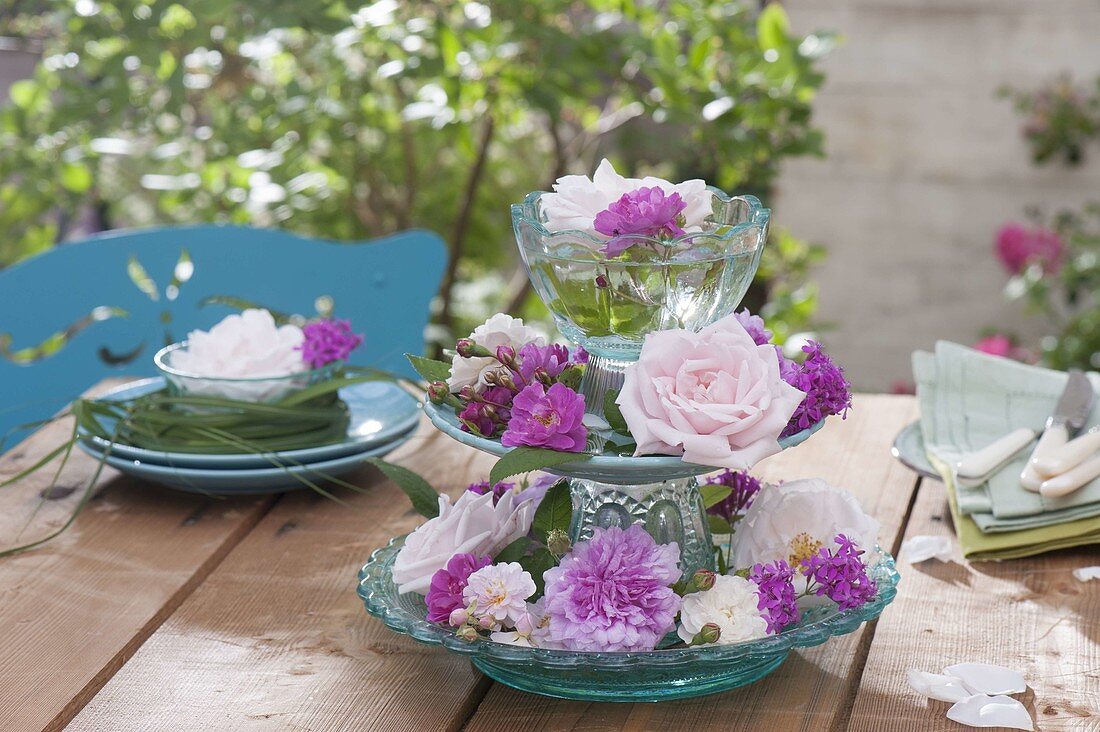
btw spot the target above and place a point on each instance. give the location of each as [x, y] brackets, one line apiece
[813, 689]
[74, 610]
[276, 637]
[1028, 614]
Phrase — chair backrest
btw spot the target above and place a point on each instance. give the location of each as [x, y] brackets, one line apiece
[102, 307]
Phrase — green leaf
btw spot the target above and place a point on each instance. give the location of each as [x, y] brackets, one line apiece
[719, 525]
[555, 511]
[714, 494]
[613, 414]
[429, 368]
[536, 563]
[425, 499]
[525, 459]
[514, 552]
[772, 27]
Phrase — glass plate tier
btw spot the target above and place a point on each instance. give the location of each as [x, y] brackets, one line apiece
[603, 468]
[670, 673]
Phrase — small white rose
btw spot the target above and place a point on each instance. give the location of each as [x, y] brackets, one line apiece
[499, 330]
[472, 524]
[731, 604]
[792, 520]
[244, 346]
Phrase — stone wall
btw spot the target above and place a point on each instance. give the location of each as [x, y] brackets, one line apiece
[924, 164]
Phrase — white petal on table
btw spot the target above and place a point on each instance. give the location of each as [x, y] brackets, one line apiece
[921, 548]
[937, 686]
[986, 678]
[1084, 574]
[981, 710]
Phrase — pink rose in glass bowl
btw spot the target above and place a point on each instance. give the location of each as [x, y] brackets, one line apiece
[715, 397]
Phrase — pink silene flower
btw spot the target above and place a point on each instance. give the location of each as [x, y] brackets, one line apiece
[827, 391]
[328, 341]
[445, 593]
[499, 593]
[1018, 246]
[544, 417]
[775, 589]
[613, 592]
[1003, 346]
[648, 211]
[840, 574]
[744, 489]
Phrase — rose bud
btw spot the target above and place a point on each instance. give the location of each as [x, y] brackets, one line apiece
[602, 281]
[459, 616]
[557, 541]
[467, 633]
[542, 376]
[468, 348]
[702, 580]
[507, 356]
[505, 379]
[709, 633]
[438, 391]
[467, 394]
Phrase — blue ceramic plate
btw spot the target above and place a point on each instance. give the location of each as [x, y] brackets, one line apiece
[380, 412]
[603, 468]
[672, 673]
[244, 481]
[908, 449]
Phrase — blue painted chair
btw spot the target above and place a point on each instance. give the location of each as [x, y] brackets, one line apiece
[102, 307]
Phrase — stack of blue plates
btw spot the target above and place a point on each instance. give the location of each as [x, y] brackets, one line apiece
[383, 416]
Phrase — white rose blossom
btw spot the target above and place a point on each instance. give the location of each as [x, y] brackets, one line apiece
[731, 604]
[499, 330]
[577, 198]
[472, 524]
[792, 520]
[244, 346]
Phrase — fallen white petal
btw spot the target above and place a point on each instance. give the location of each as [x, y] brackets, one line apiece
[986, 678]
[991, 711]
[937, 686]
[919, 549]
[595, 422]
[1084, 574]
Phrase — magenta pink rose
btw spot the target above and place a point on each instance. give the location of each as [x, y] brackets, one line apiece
[1017, 246]
[715, 397]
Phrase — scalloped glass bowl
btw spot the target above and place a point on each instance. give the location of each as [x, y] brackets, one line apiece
[659, 675]
[264, 389]
[608, 305]
[624, 470]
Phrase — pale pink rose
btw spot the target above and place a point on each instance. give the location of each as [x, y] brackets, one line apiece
[714, 397]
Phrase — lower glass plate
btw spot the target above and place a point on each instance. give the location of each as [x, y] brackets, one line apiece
[659, 675]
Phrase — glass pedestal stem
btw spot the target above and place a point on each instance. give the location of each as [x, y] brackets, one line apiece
[601, 375]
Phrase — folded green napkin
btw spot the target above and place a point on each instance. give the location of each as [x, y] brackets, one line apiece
[969, 399]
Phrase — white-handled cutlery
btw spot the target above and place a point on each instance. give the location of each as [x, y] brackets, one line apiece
[1057, 465]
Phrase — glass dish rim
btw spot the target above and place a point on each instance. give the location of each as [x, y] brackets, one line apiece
[160, 360]
[841, 622]
[758, 217]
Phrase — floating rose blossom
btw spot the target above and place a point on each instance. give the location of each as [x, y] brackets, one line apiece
[445, 593]
[328, 341]
[1018, 246]
[613, 592]
[577, 199]
[249, 345]
[547, 418]
[715, 397]
[645, 212]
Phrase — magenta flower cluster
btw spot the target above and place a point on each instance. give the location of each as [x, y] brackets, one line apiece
[445, 592]
[328, 341]
[840, 574]
[646, 211]
[778, 604]
[613, 592]
[827, 391]
[743, 487]
[1018, 246]
[529, 400]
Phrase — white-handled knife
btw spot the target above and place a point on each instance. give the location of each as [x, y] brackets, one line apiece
[975, 468]
[1068, 418]
[1071, 480]
[1070, 455]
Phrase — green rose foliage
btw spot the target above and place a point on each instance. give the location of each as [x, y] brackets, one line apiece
[350, 122]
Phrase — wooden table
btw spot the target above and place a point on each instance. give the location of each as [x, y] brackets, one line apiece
[164, 611]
